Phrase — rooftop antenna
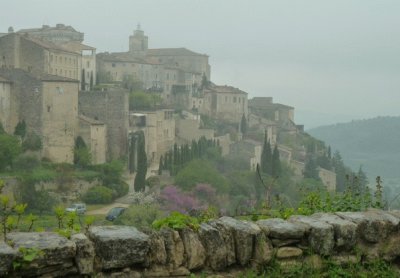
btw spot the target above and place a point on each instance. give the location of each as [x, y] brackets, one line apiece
[138, 26]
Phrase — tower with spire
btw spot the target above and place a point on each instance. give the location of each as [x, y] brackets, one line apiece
[138, 42]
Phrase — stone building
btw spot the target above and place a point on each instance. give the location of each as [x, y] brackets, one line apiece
[264, 106]
[94, 133]
[224, 102]
[38, 57]
[49, 106]
[159, 131]
[188, 128]
[57, 34]
[174, 72]
[112, 109]
[249, 150]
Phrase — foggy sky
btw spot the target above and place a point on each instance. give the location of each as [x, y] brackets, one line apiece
[339, 57]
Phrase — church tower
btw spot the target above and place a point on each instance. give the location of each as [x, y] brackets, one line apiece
[138, 43]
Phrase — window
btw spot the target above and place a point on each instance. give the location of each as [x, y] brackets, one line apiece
[88, 64]
[234, 99]
[51, 58]
[226, 99]
[113, 65]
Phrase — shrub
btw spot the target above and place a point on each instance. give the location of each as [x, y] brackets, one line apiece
[140, 216]
[98, 195]
[177, 221]
[174, 199]
[32, 142]
[26, 162]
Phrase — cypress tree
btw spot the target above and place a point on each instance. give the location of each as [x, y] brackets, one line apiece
[266, 157]
[243, 125]
[20, 129]
[140, 179]
[91, 81]
[166, 166]
[83, 81]
[160, 165]
[276, 162]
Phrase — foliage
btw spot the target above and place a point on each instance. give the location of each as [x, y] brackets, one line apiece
[243, 125]
[266, 156]
[140, 100]
[177, 221]
[32, 142]
[173, 199]
[310, 169]
[26, 162]
[201, 171]
[20, 129]
[27, 256]
[140, 178]
[82, 156]
[140, 216]
[10, 148]
[98, 195]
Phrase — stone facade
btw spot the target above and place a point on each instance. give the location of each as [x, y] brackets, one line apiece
[264, 106]
[94, 133]
[328, 178]
[111, 108]
[248, 149]
[8, 106]
[159, 131]
[225, 103]
[49, 107]
[222, 247]
[188, 129]
[57, 34]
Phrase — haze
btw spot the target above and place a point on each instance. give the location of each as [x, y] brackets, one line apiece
[331, 60]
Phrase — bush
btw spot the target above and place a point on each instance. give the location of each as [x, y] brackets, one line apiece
[140, 216]
[26, 162]
[32, 142]
[98, 195]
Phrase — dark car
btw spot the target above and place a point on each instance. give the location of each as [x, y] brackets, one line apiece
[114, 213]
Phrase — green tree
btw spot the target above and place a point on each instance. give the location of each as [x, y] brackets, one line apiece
[10, 148]
[140, 178]
[91, 81]
[32, 142]
[266, 157]
[20, 129]
[82, 157]
[243, 125]
[276, 162]
[83, 81]
[310, 169]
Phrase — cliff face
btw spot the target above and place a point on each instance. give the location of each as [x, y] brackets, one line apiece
[219, 245]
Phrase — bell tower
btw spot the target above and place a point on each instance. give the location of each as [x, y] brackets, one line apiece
[138, 43]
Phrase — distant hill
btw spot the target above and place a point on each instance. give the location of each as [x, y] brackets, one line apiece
[372, 143]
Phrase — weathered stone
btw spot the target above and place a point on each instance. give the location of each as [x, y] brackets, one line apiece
[180, 271]
[54, 249]
[244, 236]
[263, 250]
[173, 247]
[194, 251]
[288, 264]
[157, 254]
[156, 271]
[284, 242]
[84, 258]
[390, 248]
[120, 274]
[7, 256]
[229, 241]
[343, 260]
[281, 229]
[119, 246]
[372, 225]
[214, 244]
[320, 235]
[345, 230]
[288, 252]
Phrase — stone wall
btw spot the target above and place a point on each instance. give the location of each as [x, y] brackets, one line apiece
[219, 245]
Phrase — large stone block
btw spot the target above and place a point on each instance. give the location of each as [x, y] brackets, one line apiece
[119, 246]
[173, 247]
[345, 231]
[7, 256]
[372, 225]
[320, 234]
[244, 237]
[214, 244]
[194, 251]
[157, 254]
[281, 229]
[84, 258]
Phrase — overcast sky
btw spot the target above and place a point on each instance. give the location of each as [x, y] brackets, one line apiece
[339, 57]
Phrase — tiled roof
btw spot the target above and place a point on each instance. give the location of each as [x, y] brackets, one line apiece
[56, 78]
[77, 46]
[45, 44]
[226, 89]
[124, 57]
[172, 52]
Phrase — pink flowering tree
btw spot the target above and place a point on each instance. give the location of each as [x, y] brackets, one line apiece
[173, 199]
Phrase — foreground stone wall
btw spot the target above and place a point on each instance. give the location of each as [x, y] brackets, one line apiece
[219, 245]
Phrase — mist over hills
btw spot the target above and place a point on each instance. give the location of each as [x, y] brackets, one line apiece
[371, 143]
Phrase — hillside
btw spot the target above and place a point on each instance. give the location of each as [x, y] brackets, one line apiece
[372, 143]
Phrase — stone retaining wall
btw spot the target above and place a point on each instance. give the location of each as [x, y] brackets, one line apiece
[219, 245]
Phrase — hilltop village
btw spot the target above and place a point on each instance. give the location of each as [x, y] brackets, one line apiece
[61, 89]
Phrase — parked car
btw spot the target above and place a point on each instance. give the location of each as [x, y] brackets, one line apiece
[114, 213]
[78, 208]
